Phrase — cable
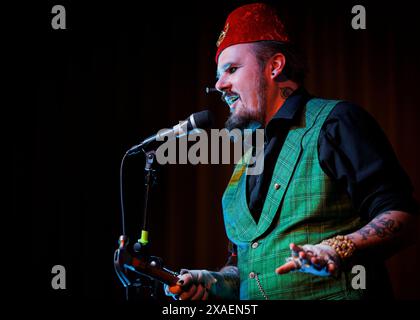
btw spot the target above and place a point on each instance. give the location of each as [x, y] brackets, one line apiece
[121, 194]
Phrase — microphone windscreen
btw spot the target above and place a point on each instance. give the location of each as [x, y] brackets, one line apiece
[203, 119]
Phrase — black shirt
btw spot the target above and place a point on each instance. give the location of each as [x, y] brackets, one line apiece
[352, 149]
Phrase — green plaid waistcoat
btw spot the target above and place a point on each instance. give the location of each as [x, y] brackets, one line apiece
[303, 205]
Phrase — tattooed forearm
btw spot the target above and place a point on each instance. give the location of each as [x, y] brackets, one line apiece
[364, 232]
[385, 234]
[382, 227]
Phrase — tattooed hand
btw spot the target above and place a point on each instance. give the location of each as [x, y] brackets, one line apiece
[320, 260]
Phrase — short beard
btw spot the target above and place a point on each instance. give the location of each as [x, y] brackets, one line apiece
[245, 120]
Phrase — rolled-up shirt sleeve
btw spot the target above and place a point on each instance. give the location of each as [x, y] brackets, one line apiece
[353, 149]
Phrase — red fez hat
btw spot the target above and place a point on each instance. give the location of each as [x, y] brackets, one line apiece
[250, 23]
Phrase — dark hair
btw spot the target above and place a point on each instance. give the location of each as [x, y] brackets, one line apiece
[295, 68]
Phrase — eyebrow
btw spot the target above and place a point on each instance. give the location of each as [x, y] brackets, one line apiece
[223, 69]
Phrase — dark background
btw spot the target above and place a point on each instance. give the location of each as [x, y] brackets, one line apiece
[121, 72]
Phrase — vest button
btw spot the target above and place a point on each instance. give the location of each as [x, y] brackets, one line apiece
[254, 245]
[251, 275]
[276, 186]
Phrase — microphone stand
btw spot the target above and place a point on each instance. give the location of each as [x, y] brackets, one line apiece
[136, 268]
[150, 180]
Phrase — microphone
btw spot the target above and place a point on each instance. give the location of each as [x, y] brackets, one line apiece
[210, 90]
[199, 120]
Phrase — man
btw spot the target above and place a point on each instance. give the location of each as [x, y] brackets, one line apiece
[332, 193]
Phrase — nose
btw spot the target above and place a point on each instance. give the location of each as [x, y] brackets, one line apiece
[222, 84]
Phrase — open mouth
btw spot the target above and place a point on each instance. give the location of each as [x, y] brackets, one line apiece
[231, 99]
